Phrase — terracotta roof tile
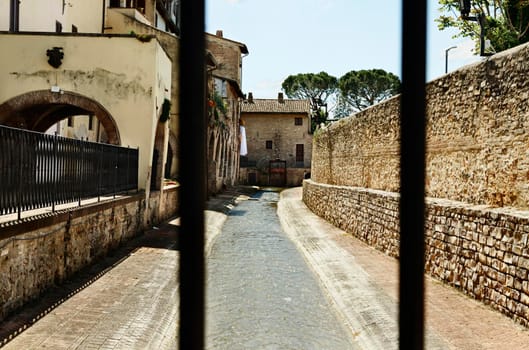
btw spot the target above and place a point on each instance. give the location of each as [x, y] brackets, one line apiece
[274, 106]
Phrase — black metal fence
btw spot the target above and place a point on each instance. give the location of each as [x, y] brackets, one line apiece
[39, 170]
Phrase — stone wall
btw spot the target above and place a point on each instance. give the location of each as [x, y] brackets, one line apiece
[481, 251]
[477, 136]
[477, 223]
[43, 251]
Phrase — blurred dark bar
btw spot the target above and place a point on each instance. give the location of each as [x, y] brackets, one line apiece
[412, 175]
[192, 175]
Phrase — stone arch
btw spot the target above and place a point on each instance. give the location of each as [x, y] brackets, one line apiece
[39, 110]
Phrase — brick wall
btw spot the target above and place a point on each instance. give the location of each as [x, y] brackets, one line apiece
[477, 223]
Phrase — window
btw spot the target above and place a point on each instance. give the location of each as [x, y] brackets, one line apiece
[90, 122]
[268, 144]
[70, 122]
[298, 121]
[300, 154]
[58, 27]
[220, 87]
[74, 29]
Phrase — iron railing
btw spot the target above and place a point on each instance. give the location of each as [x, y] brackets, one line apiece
[40, 170]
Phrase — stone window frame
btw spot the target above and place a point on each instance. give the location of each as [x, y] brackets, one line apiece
[298, 121]
[269, 144]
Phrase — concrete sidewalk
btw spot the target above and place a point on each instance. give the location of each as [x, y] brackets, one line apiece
[363, 283]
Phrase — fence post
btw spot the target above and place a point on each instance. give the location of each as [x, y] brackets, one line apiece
[116, 172]
[80, 169]
[20, 177]
[100, 166]
[128, 169]
[55, 172]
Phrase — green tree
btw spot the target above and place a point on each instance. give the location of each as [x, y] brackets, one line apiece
[310, 86]
[506, 22]
[364, 88]
[317, 88]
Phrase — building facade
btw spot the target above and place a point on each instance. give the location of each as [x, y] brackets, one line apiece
[279, 142]
[117, 79]
[224, 101]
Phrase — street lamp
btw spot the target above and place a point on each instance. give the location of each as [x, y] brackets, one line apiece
[464, 8]
[446, 57]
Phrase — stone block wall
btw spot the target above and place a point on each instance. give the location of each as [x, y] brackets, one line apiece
[43, 251]
[477, 179]
[479, 250]
[477, 137]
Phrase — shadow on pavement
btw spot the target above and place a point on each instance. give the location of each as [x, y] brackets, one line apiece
[163, 237]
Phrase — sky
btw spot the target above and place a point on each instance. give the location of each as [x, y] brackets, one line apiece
[288, 37]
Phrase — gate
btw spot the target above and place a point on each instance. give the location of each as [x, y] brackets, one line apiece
[277, 173]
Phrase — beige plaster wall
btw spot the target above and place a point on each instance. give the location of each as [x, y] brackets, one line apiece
[127, 77]
[123, 21]
[40, 15]
[4, 15]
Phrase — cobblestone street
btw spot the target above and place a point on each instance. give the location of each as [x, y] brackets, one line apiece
[261, 293]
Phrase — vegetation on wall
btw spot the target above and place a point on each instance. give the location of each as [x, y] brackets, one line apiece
[216, 109]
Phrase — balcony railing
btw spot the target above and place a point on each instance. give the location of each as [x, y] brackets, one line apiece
[39, 170]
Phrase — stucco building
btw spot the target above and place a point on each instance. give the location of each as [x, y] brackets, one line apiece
[279, 141]
[117, 79]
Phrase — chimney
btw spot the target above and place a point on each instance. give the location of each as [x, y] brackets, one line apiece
[219, 33]
[280, 98]
[250, 97]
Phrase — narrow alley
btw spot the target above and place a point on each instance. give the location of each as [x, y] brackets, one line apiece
[279, 277]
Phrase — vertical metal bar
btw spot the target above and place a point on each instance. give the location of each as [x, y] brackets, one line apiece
[20, 175]
[412, 175]
[193, 157]
[14, 15]
[116, 159]
[100, 172]
[55, 172]
[80, 169]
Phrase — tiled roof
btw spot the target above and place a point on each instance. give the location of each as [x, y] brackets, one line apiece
[259, 105]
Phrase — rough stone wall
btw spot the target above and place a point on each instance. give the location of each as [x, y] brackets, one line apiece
[52, 247]
[477, 223]
[481, 251]
[284, 134]
[477, 136]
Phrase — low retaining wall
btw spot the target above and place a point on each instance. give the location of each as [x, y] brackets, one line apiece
[43, 251]
[481, 250]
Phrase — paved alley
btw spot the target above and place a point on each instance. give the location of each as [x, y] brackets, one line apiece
[261, 293]
[292, 281]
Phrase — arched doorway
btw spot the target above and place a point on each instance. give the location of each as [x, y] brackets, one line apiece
[39, 110]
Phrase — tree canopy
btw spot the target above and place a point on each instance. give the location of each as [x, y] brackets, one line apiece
[364, 88]
[310, 86]
[506, 22]
[354, 91]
